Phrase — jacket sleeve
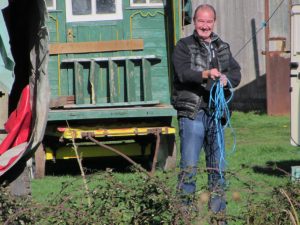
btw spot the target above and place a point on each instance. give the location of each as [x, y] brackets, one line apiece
[234, 72]
[182, 65]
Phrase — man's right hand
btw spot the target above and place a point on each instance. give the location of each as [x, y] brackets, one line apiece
[214, 74]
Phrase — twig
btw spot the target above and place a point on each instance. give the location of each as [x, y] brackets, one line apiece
[119, 153]
[291, 216]
[293, 213]
[75, 148]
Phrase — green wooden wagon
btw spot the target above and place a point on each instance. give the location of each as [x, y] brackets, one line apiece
[110, 76]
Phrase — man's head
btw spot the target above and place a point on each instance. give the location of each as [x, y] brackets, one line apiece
[204, 21]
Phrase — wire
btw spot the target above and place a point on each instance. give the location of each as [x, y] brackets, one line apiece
[218, 106]
[264, 24]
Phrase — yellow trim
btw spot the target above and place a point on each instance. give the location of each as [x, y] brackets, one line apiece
[174, 22]
[93, 94]
[101, 83]
[58, 56]
[168, 53]
[100, 39]
[89, 151]
[49, 155]
[119, 82]
[70, 133]
[56, 26]
[59, 75]
[180, 25]
[143, 14]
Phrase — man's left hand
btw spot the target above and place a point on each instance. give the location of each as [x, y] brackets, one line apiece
[223, 80]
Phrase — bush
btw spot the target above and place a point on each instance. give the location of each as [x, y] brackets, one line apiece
[15, 210]
[282, 208]
[139, 199]
[115, 202]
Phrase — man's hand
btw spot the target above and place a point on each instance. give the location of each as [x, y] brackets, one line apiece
[214, 74]
[223, 80]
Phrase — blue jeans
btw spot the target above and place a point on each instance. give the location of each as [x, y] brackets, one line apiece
[195, 134]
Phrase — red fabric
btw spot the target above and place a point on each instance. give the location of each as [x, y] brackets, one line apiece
[18, 123]
[11, 161]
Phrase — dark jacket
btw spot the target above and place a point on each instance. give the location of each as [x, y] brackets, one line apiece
[190, 58]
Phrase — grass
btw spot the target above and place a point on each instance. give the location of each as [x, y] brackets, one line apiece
[263, 150]
[261, 161]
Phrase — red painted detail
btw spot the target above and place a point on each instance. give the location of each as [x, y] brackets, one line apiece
[61, 129]
[18, 125]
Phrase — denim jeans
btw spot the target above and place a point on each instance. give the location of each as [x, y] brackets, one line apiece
[195, 135]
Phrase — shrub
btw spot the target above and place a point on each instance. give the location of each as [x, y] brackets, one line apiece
[15, 209]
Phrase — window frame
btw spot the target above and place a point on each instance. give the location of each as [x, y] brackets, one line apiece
[147, 4]
[94, 16]
[52, 7]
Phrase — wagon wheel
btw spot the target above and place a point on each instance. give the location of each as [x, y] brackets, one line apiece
[40, 162]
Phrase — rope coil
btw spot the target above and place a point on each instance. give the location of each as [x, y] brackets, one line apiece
[218, 106]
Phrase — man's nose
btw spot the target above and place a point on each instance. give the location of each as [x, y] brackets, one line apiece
[205, 25]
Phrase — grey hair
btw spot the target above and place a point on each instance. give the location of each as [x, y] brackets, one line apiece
[205, 6]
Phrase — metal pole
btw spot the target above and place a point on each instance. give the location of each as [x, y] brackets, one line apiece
[267, 37]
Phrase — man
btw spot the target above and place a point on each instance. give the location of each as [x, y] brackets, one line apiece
[199, 60]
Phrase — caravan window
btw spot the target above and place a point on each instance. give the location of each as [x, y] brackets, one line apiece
[105, 6]
[93, 10]
[146, 2]
[51, 4]
[81, 7]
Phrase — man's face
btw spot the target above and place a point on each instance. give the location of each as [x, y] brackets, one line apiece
[204, 23]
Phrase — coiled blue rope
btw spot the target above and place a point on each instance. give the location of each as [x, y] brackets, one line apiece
[218, 106]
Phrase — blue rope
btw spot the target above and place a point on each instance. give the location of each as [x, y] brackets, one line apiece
[218, 106]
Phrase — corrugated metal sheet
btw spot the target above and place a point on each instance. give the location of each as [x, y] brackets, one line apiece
[295, 2]
[280, 21]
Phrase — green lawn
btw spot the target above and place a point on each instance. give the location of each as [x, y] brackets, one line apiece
[263, 149]
[260, 162]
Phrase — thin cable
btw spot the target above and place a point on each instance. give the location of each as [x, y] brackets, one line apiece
[264, 24]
